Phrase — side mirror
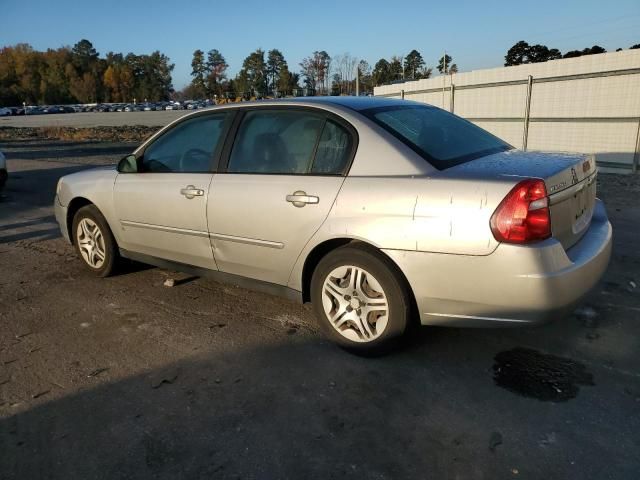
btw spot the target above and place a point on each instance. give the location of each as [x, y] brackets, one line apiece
[128, 164]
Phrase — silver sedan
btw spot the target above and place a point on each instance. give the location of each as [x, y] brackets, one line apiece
[380, 212]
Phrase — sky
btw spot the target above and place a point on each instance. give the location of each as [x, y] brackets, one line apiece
[477, 34]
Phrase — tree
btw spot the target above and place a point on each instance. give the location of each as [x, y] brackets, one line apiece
[316, 71]
[444, 64]
[83, 55]
[199, 73]
[366, 77]
[395, 68]
[275, 65]
[517, 54]
[586, 51]
[413, 64]
[345, 69]
[255, 70]
[381, 72]
[243, 84]
[522, 53]
[542, 53]
[216, 68]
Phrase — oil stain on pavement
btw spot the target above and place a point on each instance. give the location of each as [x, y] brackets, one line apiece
[537, 375]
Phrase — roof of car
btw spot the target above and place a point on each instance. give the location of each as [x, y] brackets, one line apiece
[355, 103]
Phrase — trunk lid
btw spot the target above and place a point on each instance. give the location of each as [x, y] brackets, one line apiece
[570, 182]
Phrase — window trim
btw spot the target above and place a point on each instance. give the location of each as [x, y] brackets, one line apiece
[216, 155]
[232, 136]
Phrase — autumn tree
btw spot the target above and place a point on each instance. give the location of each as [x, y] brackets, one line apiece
[79, 74]
[316, 71]
[216, 68]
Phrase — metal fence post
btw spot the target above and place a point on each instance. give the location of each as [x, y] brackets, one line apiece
[453, 91]
[636, 155]
[527, 109]
[402, 94]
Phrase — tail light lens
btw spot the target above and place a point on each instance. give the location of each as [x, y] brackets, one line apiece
[523, 215]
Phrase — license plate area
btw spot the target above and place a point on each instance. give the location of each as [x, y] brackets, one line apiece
[583, 202]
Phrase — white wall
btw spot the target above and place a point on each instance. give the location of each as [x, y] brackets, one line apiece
[589, 114]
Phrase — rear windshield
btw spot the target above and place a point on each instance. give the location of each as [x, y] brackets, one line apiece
[441, 138]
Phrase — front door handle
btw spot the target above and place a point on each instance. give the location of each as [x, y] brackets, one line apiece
[300, 199]
[190, 191]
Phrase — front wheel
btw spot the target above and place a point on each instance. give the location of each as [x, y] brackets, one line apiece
[94, 241]
[360, 299]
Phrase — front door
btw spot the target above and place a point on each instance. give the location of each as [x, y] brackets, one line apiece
[283, 174]
[162, 209]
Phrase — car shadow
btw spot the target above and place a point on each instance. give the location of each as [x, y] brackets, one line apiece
[304, 408]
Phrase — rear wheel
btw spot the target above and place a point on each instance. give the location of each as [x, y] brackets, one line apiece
[360, 300]
[94, 241]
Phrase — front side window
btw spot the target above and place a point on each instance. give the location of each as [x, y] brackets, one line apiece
[440, 137]
[276, 141]
[187, 147]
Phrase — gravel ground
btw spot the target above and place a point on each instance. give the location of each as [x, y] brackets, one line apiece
[125, 378]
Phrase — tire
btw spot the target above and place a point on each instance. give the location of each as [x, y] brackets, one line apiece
[94, 242]
[361, 322]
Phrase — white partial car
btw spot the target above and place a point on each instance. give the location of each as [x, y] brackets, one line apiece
[5, 112]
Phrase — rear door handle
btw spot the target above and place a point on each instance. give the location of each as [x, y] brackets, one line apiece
[190, 191]
[300, 199]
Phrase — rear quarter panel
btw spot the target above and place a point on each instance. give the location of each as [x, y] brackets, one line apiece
[432, 213]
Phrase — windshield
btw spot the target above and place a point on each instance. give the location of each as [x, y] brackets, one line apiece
[441, 138]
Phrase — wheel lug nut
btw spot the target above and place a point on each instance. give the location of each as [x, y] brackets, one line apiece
[347, 297]
[349, 308]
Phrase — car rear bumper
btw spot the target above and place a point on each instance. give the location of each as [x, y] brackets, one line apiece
[515, 285]
[61, 218]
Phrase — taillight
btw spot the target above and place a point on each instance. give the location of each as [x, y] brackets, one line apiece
[523, 215]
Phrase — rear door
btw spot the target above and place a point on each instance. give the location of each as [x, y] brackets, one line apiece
[284, 171]
[162, 209]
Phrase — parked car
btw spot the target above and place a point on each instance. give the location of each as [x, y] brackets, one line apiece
[5, 112]
[380, 212]
[3, 170]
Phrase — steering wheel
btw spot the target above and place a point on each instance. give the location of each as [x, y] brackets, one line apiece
[194, 155]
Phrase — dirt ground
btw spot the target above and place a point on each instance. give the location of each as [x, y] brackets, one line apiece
[126, 378]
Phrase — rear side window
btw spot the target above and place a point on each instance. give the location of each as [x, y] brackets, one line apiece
[276, 141]
[440, 137]
[333, 150]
